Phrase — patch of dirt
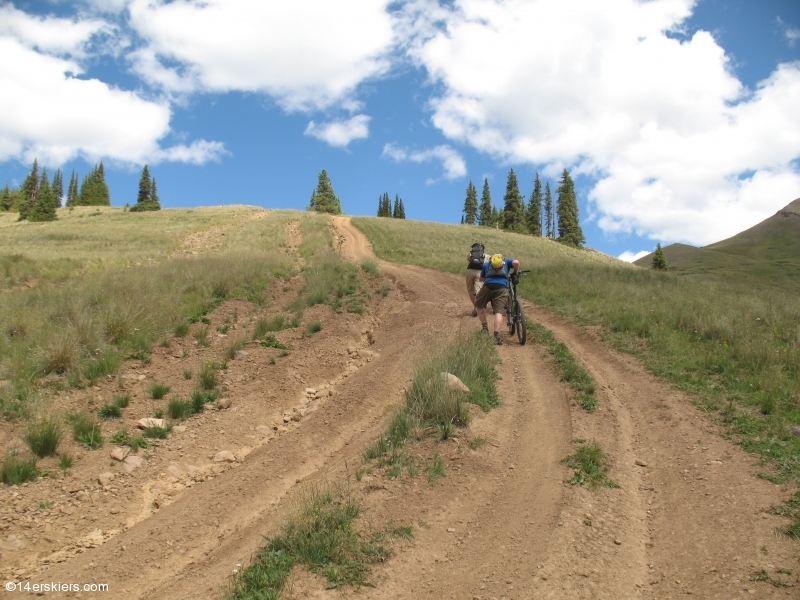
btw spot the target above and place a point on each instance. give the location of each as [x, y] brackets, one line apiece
[689, 518]
[210, 239]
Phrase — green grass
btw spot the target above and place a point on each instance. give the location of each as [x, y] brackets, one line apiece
[65, 462]
[571, 372]
[314, 327]
[264, 326]
[86, 431]
[590, 463]
[16, 470]
[44, 437]
[270, 341]
[157, 433]
[321, 535]
[122, 438]
[121, 400]
[734, 347]
[180, 409]
[232, 348]
[370, 267]
[435, 468]
[158, 390]
[207, 377]
[110, 411]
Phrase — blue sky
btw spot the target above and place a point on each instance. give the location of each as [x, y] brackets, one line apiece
[678, 119]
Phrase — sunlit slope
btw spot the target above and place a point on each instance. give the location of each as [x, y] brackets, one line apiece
[445, 247]
[766, 254]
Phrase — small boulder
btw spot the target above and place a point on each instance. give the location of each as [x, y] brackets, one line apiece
[120, 452]
[224, 403]
[263, 430]
[131, 462]
[224, 456]
[640, 463]
[454, 383]
[151, 422]
[105, 478]
[179, 429]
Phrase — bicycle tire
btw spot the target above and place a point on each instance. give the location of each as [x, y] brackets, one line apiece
[510, 316]
[522, 326]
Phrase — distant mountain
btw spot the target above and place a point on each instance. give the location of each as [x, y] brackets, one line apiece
[766, 254]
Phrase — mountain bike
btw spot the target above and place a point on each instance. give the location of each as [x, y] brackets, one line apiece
[515, 315]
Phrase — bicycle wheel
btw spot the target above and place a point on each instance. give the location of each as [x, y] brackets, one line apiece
[522, 327]
[511, 318]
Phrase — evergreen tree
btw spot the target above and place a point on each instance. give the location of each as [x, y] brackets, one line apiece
[549, 215]
[94, 190]
[30, 191]
[486, 208]
[398, 212]
[5, 199]
[380, 205]
[496, 219]
[384, 205]
[533, 216]
[72, 190]
[323, 199]
[45, 207]
[659, 260]
[514, 209]
[58, 188]
[471, 205]
[147, 198]
[569, 229]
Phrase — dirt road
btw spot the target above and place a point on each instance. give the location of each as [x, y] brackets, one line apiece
[689, 517]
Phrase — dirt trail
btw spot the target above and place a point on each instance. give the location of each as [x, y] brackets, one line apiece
[502, 524]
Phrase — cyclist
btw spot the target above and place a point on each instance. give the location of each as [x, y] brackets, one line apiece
[476, 257]
[495, 275]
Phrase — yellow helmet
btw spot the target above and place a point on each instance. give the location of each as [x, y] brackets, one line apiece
[496, 261]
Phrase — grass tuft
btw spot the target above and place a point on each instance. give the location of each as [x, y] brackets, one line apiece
[86, 431]
[17, 470]
[158, 390]
[44, 437]
[208, 376]
[591, 466]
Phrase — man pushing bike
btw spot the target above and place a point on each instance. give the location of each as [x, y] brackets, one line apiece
[495, 275]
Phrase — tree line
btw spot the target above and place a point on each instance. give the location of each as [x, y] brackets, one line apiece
[539, 217]
[38, 197]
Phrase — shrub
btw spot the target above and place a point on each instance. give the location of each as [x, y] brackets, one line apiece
[208, 377]
[110, 411]
[121, 400]
[313, 328]
[159, 433]
[178, 409]
[187, 374]
[371, 267]
[44, 437]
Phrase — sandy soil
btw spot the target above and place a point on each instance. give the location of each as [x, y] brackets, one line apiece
[689, 518]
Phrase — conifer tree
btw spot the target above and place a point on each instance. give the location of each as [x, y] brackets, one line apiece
[659, 260]
[569, 229]
[380, 205]
[497, 218]
[471, 205]
[549, 214]
[147, 198]
[323, 199]
[514, 208]
[45, 207]
[384, 205]
[5, 199]
[486, 209]
[533, 216]
[30, 191]
[58, 188]
[72, 190]
[94, 190]
[399, 212]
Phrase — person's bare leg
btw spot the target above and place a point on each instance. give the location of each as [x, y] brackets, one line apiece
[498, 321]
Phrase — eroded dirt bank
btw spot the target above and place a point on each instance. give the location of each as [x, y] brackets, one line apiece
[689, 518]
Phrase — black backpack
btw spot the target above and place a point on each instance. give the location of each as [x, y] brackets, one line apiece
[477, 256]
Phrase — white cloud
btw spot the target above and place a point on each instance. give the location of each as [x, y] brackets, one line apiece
[630, 257]
[46, 112]
[306, 54]
[791, 34]
[682, 150]
[340, 133]
[452, 162]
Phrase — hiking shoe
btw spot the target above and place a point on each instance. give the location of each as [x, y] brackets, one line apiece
[474, 312]
[497, 339]
[484, 328]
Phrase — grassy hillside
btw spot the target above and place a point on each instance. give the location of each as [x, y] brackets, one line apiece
[107, 287]
[735, 347]
[765, 255]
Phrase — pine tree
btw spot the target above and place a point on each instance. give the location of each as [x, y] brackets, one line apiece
[30, 191]
[72, 190]
[548, 212]
[569, 229]
[45, 207]
[486, 208]
[659, 260]
[147, 198]
[533, 216]
[497, 218]
[94, 190]
[514, 209]
[384, 205]
[58, 188]
[5, 199]
[471, 205]
[323, 199]
[398, 212]
[380, 205]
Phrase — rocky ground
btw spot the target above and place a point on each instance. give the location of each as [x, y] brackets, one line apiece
[691, 515]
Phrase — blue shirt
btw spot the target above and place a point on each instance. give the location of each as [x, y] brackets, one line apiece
[507, 267]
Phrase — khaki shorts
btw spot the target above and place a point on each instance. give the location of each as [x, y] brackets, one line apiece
[473, 281]
[498, 298]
